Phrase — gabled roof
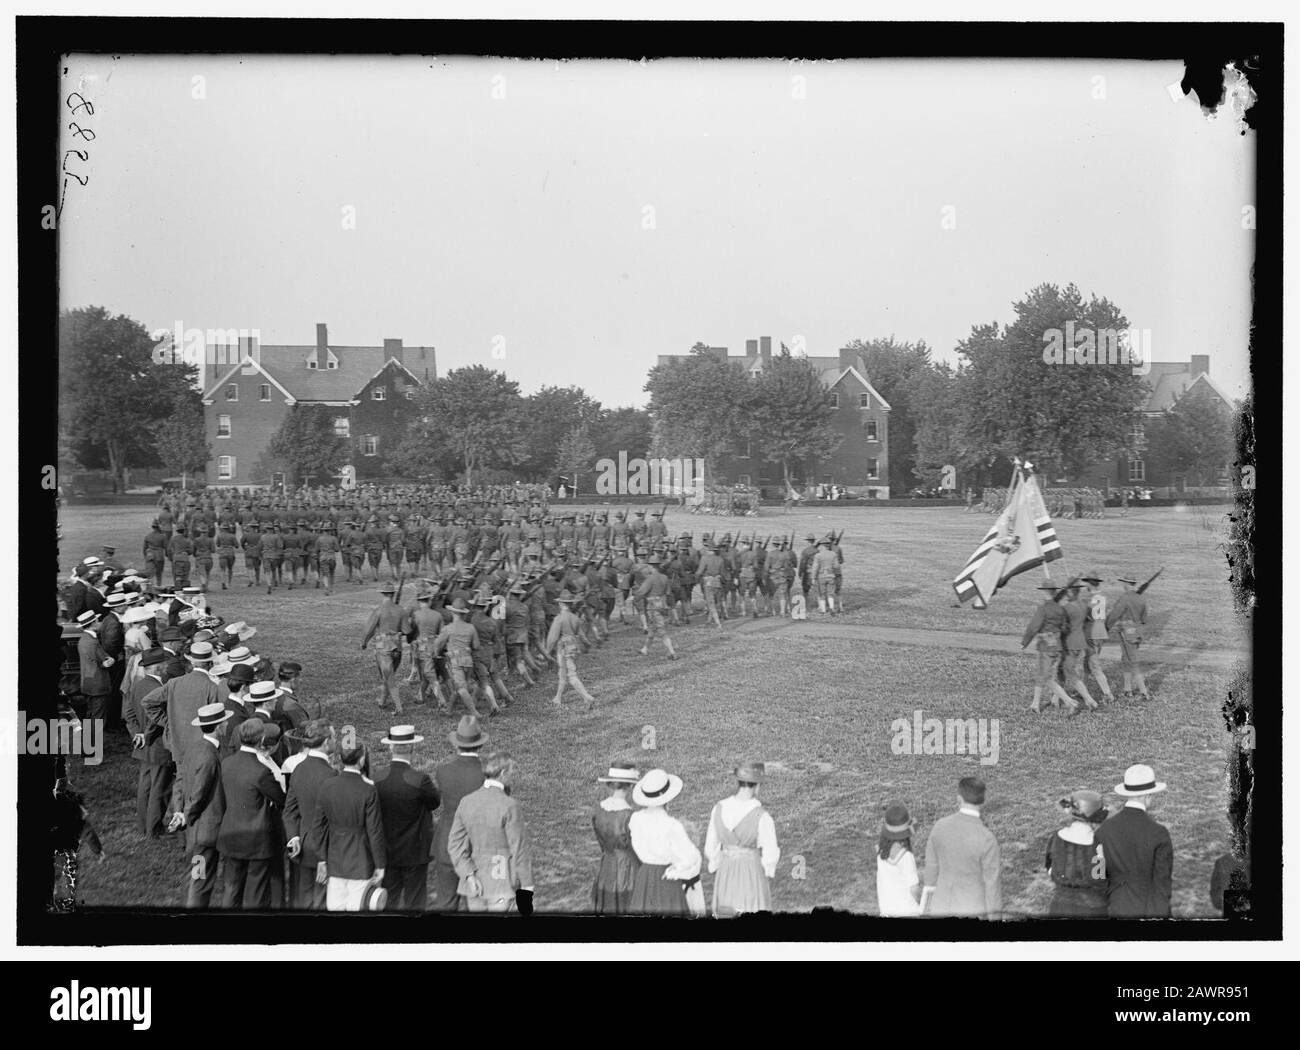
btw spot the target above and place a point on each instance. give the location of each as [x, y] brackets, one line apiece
[358, 367]
[384, 368]
[1170, 380]
[245, 362]
[832, 383]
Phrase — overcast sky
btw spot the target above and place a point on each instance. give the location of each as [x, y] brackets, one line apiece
[517, 231]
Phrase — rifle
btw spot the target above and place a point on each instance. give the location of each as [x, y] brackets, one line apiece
[766, 541]
[397, 598]
[1149, 582]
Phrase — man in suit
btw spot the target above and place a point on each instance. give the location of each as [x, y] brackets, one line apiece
[112, 636]
[204, 807]
[455, 778]
[347, 833]
[407, 799]
[963, 861]
[1137, 852]
[174, 709]
[96, 685]
[248, 838]
[489, 843]
[239, 705]
[157, 770]
[306, 777]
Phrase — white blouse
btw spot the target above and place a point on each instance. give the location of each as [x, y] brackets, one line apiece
[894, 881]
[658, 838]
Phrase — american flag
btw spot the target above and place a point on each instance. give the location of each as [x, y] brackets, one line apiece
[1021, 539]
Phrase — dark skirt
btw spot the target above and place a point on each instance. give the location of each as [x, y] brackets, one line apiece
[652, 894]
[611, 894]
[1078, 902]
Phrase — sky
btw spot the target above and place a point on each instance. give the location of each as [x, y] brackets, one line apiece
[567, 223]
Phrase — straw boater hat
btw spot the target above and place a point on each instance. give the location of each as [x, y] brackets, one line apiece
[117, 600]
[264, 692]
[620, 774]
[200, 652]
[468, 734]
[374, 897]
[87, 618]
[211, 715]
[656, 788]
[1139, 780]
[239, 629]
[402, 735]
[898, 823]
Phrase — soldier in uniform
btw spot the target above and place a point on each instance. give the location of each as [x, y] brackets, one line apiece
[273, 555]
[395, 543]
[1096, 628]
[1046, 627]
[374, 542]
[747, 558]
[155, 553]
[307, 548]
[251, 542]
[563, 640]
[180, 550]
[637, 529]
[427, 623]
[385, 629]
[781, 569]
[1129, 614]
[823, 571]
[1076, 643]
[203, 551]
[292, 541]
[516, 625]
[327, 552]
[226, 545]
[414, 544]
[654, 590]
[490, 653]
[805, 564]
[460, 641]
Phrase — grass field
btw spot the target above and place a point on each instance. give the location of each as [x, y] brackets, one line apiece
[817, 710]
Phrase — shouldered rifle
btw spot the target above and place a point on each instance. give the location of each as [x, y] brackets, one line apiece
[1142, 589]
[397, 598]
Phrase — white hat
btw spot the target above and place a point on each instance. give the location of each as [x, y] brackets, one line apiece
[656, 788]
[136, 615]
[241, 654]
[91, 561]
[1138, 781]
[264, 691]
[200, 651]
[87, 618]
[402, 735]
[241, 629]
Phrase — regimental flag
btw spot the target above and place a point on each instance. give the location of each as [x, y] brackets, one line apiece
[1022, 538]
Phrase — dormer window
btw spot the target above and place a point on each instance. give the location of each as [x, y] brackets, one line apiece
[333, 363]
[311, 362]
[379, 394]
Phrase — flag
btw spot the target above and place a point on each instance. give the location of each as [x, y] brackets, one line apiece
[1021, 539]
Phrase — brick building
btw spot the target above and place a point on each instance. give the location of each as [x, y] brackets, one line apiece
[860, 464]
[249, 390]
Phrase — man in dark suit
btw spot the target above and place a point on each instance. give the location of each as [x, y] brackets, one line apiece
[239, 705]
[157, 770]
[96, 686]
[407, 799]
[455, 778]
[204, 807]
[305, 781]
[1137, 852]
[347, 833]
[248, 839]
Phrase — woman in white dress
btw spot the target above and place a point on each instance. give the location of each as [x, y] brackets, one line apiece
[670, 861]
[898, 887]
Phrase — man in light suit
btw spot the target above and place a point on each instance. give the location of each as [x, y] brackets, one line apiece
[1137, 852]
[172, 711]
[204, 807]
[963, 861]
[407, 799]
[489, 844]
[306, 778]
[249, 839]
[455, 777]
[157, 770]
[347, 833]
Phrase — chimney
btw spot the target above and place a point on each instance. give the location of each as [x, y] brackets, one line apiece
[393, 348]
[751, 347]
[851, 358]
[765, 347]
[249, 347]
[1200, 363]
[322, 342]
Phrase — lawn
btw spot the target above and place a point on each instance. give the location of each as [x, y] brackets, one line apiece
[818, 710]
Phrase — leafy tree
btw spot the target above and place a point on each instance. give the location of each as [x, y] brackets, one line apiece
[896, 369]
[1193, 438]
[575, 456]
[111, 391]
[938, 424]
[473, 414]
[622, 430]
[179, 438]
[789, 413]
[307, 445]
[549, 415]
[1012, 401]
[698, 405]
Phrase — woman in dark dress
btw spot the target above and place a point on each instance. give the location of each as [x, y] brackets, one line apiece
[612, 891]
[1073, 862]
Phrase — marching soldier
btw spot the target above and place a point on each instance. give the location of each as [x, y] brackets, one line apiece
[1076, 643]
[180, 550]
[203, 548]
[385, 628]
[460, 641]
[656, 531]
[781, 570]
[414, 544]
[516, 631]
[747, 559]
[824, 565]
[427, 624]
[291, 540]
[251, 543]
[619, 533]
[395, 542]
[327, 552]
[226, 545]
[637, 529]
[155, 553]
[805, 564]
[563, 640]
[1129, 614]
[710, 576]
[273, 555]
[374, 543]
[654, 591]
[1095, 601]
[307, 549]
[1046, 627]
[487, 659]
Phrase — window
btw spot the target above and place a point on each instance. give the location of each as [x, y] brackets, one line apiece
[379, 394]
[1139, 435]
[873, 468]
[264, 392]
[232, 392]
[1137, 470]
[223, 426]
[370, 445]
[835, 400]
[311, 362]
[331, 363]
[864, 400]
[744, 480]
[872, 429]
[226, 467]
[342, 427]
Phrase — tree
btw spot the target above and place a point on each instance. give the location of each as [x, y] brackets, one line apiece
[1014, 401]
[697, 405]
[1193, 438]
[307, 445]
[789, 414]
[549, 415]
[575, 455]
[622, 430]
[938, 425]
[896, 369]
[473, 414]
[179, 439]
[111, 391]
